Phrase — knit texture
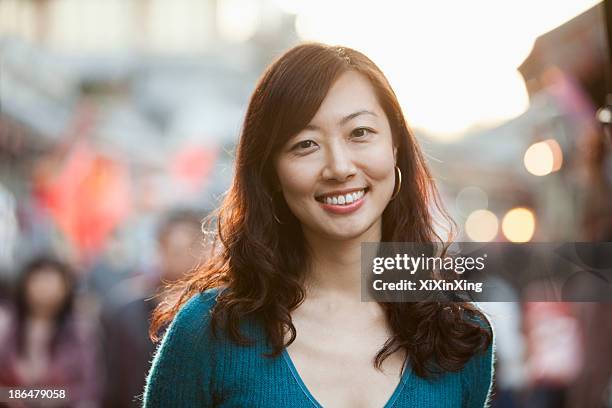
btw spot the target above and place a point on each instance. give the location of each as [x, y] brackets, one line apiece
[191, 368]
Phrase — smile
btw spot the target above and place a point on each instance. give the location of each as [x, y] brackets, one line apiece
[342, 202]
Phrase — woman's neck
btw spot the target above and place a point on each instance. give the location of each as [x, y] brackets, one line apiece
[335, 268]
[39, 323]
[40, 317]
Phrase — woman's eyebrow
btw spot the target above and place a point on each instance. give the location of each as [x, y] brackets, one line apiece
[355, 114]
[345, 119]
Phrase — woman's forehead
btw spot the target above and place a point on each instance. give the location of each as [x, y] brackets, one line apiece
[350, 94]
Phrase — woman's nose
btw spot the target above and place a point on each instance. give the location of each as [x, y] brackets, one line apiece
[339, 165]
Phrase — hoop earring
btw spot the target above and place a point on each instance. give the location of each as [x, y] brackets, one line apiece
[399, 183]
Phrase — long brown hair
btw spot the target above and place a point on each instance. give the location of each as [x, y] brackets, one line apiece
[261, 260]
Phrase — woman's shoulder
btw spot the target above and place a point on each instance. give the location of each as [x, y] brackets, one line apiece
[201, 302]
[183, 358]
[190, 330]
[479, 317]
[484, 354]
[477, 374]
[195, 313]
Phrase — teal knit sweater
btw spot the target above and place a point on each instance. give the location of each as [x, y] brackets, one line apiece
[193, 369]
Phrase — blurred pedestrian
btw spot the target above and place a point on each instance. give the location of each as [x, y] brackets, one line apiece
[128, 349]
[46, 346]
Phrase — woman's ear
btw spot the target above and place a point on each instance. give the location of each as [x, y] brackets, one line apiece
[395, 154]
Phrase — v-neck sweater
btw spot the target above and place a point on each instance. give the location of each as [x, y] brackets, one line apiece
[193, 368]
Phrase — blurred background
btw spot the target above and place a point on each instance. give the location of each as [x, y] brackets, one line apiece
[118, 122]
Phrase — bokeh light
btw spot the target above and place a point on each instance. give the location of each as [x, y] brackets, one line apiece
[481, 226]
[518, 225]
[557, 153]
[543, 158]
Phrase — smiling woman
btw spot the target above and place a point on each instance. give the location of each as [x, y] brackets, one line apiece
[325, 162]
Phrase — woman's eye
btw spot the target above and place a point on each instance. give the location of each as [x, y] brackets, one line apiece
[304, 144]
[361, 132]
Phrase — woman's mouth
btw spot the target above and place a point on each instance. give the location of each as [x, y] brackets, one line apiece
[342, 202]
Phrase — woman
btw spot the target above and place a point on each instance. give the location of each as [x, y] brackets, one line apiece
[325, 162]
[45, 348]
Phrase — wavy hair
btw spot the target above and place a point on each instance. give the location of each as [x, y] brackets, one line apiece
[261, 261]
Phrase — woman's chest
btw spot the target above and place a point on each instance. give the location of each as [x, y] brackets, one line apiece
[334, 361]
[345, 377]
[244, 377]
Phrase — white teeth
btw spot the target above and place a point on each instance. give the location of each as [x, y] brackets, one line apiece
[344, 199]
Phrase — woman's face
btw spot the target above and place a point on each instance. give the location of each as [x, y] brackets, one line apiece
[45, 292]
[337, 175]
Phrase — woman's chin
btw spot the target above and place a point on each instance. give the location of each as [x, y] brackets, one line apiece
[348, 232]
